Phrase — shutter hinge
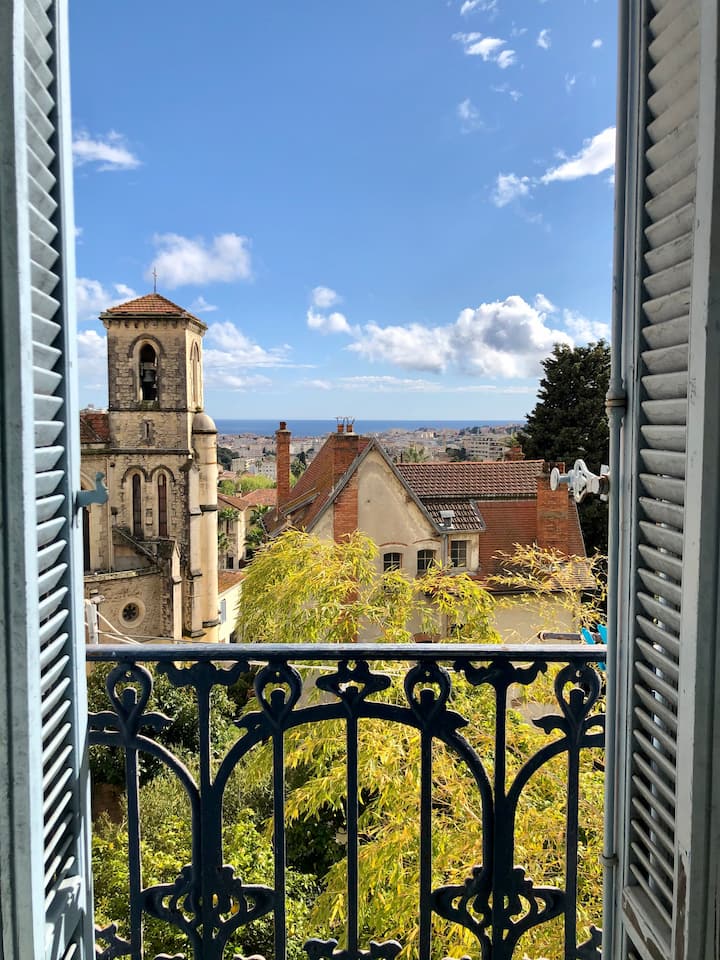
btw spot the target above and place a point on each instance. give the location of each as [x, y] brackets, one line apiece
[581, 481]
[83, 498]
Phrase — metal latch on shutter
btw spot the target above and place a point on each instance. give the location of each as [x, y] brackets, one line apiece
[98, 495]
[581, 481]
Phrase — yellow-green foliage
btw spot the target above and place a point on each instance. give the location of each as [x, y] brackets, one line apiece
[554, 580]
[165, 850]
[300, 588]
[389, 819]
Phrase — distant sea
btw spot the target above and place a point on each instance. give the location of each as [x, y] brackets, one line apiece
[320, 428]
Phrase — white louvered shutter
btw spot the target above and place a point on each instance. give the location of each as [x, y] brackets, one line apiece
[45, 890]
[668, 620]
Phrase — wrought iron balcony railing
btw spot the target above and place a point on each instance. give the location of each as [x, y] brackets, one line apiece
[296, 690]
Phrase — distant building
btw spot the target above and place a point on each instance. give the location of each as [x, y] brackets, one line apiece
[151, 550]
[483, 446]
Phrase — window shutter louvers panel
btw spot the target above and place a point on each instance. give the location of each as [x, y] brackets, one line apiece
[52, 919]
[669, 545]
[668, 161]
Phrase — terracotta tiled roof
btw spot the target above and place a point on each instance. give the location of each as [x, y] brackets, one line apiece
[467, 513]
[265, 497]
[152, 304]
[94, 426]
[228, 579]
[237, 503]
[501, 479]
[314, 488]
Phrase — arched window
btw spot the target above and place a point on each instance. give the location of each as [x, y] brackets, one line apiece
[392, 561]
[425, 559]
[148, 373]
[162, 505]
[195, 384]
[137, 525]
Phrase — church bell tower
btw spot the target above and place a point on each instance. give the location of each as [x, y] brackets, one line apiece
[162, 447]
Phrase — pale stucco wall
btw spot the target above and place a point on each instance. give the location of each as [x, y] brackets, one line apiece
[520, 619]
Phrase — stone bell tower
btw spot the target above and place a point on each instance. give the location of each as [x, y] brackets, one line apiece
[161, 455]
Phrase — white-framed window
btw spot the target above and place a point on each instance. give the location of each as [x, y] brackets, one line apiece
[458, 553]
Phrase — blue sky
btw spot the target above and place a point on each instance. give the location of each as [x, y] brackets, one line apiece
[386, 208]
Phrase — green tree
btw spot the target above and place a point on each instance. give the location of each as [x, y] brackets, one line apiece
[569, 422]
[321, 591]
[414, 455]
[256, 481]
[225, 457]
[301, 586]
[165, 848]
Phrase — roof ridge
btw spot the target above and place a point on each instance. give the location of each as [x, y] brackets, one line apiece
[142, 304]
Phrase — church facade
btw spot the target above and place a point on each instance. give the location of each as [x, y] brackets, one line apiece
[151, 560]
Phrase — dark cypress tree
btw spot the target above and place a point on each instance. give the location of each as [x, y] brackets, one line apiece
[569, 423]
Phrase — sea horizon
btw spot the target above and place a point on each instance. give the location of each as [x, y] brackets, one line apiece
[309, 427]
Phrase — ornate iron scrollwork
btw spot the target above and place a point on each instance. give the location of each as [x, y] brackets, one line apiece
[208, 902]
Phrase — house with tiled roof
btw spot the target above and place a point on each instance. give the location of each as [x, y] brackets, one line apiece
[465, 516]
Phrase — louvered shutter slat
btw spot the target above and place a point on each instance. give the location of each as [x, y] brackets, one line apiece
[649, 821]
[668, 182]
[665, 436]
[36, 276]
[655, 730]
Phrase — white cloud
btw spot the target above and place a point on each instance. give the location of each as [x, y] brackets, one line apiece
[596, 156]
[324, 298]
[220, 380]
[92, 297]
[200, 305]
[229, 350]
[484, 6]
[390, 384]
[506, 59]
[109, 152]
[327, 323]
[469, 117]
[506, 88]
[92, 359]
[505, 339]
[596, 44]
[543, 40]
[509, 187]
[489, 48]
[317, 384]
[584, 330]
[570, 81]
[181, 260]
[542, 304]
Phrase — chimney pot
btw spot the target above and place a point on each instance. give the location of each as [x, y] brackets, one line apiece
[341, 428]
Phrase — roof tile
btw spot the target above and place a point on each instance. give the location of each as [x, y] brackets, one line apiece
[152, 304]
[501, 479]
[94, 426]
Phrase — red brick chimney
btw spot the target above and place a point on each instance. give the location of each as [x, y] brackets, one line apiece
[515, 452]
[345, 449]
[345, 509]
[282, 459]
[553, 513]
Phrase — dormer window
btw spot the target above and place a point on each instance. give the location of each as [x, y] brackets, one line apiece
[148, 373]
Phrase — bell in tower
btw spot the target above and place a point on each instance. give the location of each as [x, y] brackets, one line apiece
[148, 373]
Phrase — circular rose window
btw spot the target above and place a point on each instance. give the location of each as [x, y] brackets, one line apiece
[131, 612]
